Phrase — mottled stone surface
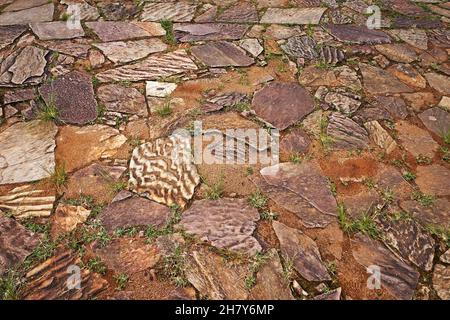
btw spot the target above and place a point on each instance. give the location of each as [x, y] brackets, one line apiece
[221, 54]
[345, 133]
[164, 171]
[56, 30]
[209, 31]
[293, 15]
[399, 278]
[16, 243]
[439, 82]
[122, 52]
[151, 68]
[252, 46]
[415, 37]
[73, 96]
[438, 214]
[117, 98]
[225, 223]
[128, 256]
[241, 12]
[296, 141]
[416, 140]
[134, 211]
[302, 251]
[29, 15]
[270, 282]
[436, 120]
[398, 52]
[27, 152]
[209, 274]
[441, 281]
[67, 217]
[409, 240]
[282, 104]
[124, 30]
[54, 271]
[434, 179]
[357, 34]
[380, 136]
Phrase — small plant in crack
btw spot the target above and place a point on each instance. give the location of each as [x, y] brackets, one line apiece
[425, 200]
[165, 110]
[121, 280]
[215, 190]
[365, 223]
[409, 176]
[258, 200]
[167, 25]
[48, 111]
[10, 284]
[96, 265]
[175, 266]
[423, 160]
[268, 215]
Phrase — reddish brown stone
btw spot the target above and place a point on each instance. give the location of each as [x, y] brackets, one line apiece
[357, 34]
[222, 54]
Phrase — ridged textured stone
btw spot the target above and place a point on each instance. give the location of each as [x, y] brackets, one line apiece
[225, 223]
[179, 11]
[16, 243]
[125, 30]
[27, 201]
[67, 217]
[153, 67]
[302, 251]
[27, 152]
[222, 54]
[307, 48]
[282, 104]
[164, 171]
[346, 134]
[48, 280]
[122, 52]
[380, 136]
[242, 12]
[208, 31]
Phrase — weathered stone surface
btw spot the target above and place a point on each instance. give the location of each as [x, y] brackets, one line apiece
[221, 54]
[48, 280]
[357, 34]
[408, 75]
[270, 282]
[23, 66]
[71, 48]
[293, 15]
[10, 33]
[221, 101]
[296, 141]
[16, 243]
[27, 152]
[346, 103]
[124, 30]
[445, 257]
[209, 32]
[87, 12]
[438, 214]
[67, 217]
[378, 81]
[358, 204]
[214, 278]
[78, 147]
[241, 12]
[343, 76]
[398, 52]
[307, 48]
[151, 68]
[406, 238]
[179, 11]
[441, 281]
[399, 278]
[282, 104]
[22, 4]
[302, 251]
[416, 140]
[30, 15]
[94, 181]
[73, 96]
[134, 211]
[18, 96]
[117, 98]
[439, 82]
[395, 106]
[225, 223]
[128, 256]
[416, 37]
[332, 295]
[122, 52]
[434, 180]
[306, 180]
[380, 136]
[252, 46]
[164, 171]
[345, 133]
[118, 10]
[436, 120]
[56, 30]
